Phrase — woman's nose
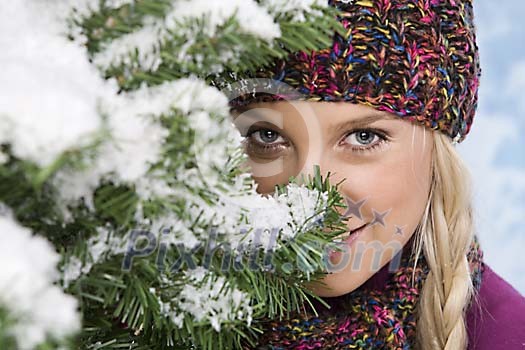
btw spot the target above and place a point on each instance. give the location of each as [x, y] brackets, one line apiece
[320, 160]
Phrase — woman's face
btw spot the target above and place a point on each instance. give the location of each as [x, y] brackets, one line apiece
[384, 161]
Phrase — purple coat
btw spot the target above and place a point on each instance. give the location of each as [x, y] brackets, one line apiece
[496, 321]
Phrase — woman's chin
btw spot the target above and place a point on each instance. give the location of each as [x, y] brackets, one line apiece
[330, 286]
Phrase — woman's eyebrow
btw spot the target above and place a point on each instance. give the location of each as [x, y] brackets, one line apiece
[251, 117]
[250, 114]
[358, 123]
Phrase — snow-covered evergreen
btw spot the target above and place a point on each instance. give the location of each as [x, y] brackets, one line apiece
[118, 158]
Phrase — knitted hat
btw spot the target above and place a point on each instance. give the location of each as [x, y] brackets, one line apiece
[417, 59]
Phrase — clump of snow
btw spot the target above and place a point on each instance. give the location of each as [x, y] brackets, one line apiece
[84, 8]
[245, 219]
[49, 92]
[211, 298]
[252, 19]
[27, 289]
[104, 244]
[146, 41]
[297, 8]
[137, 137]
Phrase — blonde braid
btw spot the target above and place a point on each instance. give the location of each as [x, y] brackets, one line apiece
[444, 235]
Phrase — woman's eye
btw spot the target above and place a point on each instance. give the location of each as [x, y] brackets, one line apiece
[265, 142]
[266, 136]
[364, 140]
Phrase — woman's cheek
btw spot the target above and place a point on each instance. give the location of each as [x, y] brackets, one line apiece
[267, 174]
[376, 182]
[385, 188]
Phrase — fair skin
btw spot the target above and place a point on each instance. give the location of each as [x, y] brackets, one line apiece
[384, 161]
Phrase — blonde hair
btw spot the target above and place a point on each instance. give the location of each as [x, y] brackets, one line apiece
[444, 235]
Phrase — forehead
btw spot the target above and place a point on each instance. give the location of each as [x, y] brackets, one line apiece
[326, 115]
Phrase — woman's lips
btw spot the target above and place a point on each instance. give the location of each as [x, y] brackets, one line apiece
[336, 255]
[354, 233]
[357, 229]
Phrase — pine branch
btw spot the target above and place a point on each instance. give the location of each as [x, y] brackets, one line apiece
[147, 307]
[227, 49]
[131, 300]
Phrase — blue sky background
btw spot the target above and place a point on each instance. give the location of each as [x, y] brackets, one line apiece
[495, 148]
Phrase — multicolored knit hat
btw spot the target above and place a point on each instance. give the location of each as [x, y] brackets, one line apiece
[417, 59]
